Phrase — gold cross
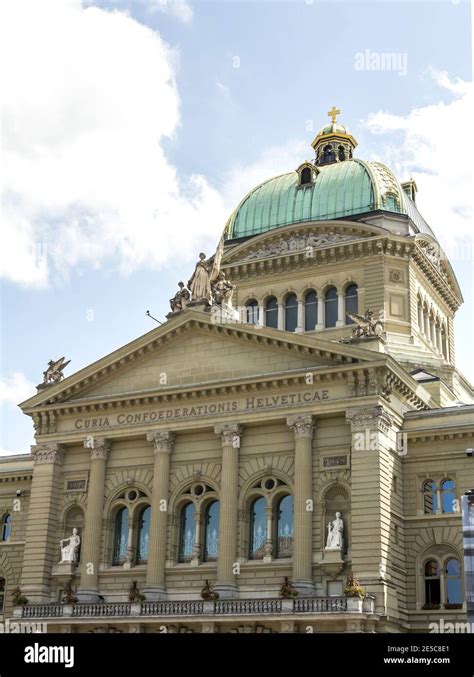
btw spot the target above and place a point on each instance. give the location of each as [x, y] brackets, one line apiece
[333, 113]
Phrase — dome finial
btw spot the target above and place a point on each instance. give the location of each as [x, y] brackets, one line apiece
[333, 113]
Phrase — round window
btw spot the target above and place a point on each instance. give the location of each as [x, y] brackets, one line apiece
[132, 495]
[268, 484]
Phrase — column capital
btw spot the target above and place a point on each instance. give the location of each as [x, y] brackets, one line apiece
[374, 418]
[99, 446]
[163, 441]
[47, 453]
[302, 426]
[230, 433]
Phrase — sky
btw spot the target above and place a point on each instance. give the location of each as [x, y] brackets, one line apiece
[130, 131]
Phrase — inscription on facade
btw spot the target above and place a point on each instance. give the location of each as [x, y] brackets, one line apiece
[251, 403]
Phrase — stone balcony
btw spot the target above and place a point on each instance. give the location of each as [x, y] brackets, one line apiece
[197, 608]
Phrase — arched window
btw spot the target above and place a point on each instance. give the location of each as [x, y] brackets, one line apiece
[448, 496]
[6, 527]
[330, 310]
[252, 313]
[432, 583]
[430, 497]
[310, 310]
[211, 533]
[143, 534]
[120, 536]
[444, 343]
[271, 313]
[327, 156]
[187, 536]
[351, 302]
[258, 529]
[291, 312]
[453, 582]
[284, 527]
[306, 176]
[341, 154]
[2, 594]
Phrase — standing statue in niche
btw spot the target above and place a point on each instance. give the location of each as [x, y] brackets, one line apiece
[335, 532]
[70, 547]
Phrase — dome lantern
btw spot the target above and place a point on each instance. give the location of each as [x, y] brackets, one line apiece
[334, 142]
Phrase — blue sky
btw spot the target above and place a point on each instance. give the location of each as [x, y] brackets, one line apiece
[138, 126]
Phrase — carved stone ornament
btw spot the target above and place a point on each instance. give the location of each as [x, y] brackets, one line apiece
[365, 325]
[163, 441]
[230, 433]
[208, 593]
[297, 243]
[47, 453]
[302, 426]
[53, 373]
[371, 418]
[99, 446]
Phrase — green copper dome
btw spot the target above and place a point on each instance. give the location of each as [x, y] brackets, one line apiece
[339, 190]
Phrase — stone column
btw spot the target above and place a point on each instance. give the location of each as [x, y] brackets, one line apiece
[303, 428]
[230, 434]
[163, 441]
[300, 324]
[320, 324]
[42, 548]
[90, 554]
[341, 315]
[281, 316]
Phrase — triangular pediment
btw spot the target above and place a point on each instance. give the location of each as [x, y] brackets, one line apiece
[190, 349]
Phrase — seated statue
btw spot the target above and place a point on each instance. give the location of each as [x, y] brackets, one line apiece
[181, 298]
[222, 290]
[70, 547]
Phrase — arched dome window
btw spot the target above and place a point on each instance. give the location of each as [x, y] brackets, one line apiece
[291, 312]
[271, 313]
[328, 155]
[306, 176]
[330, 307]
[351, 302]
[310, 310]
[341, 153]
[252, 312]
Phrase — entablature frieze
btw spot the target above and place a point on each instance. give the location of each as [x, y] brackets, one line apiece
[302, 389]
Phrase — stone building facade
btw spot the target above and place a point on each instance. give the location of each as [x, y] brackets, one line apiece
[207, 459]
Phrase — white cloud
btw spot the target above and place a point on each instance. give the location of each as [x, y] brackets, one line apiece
[430, 145]
[15, 388]
[180, 9]
[89, 96]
